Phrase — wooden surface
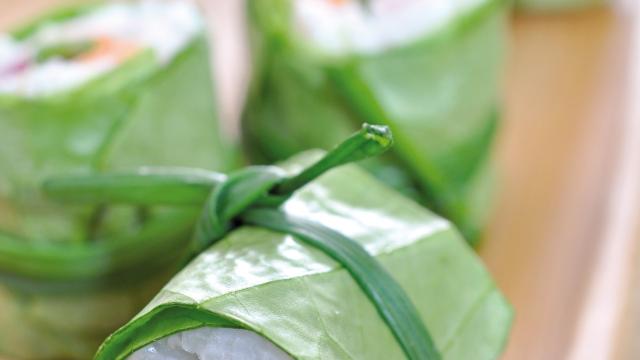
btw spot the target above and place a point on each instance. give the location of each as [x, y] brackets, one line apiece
[560, 230]
[564, 111]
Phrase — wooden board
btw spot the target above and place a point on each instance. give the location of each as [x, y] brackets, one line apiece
[561, 244]
[560, 152]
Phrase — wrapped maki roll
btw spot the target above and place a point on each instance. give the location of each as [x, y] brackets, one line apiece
[87, 90]
[428, 69]
[299, 262]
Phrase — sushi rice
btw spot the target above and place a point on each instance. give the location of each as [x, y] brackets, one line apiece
[209, 343]
[351, 26]
[113, 34]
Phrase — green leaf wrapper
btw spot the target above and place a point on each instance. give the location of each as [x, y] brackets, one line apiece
[71, 274]
[296, 296]
[438, 94]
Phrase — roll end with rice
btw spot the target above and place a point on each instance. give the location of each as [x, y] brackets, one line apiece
[428, 69]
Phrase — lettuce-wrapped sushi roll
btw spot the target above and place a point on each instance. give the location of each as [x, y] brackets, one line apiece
[428, 69]
[310, 264]
[87, 90]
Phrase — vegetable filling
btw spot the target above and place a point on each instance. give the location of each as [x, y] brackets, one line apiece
[59, 56]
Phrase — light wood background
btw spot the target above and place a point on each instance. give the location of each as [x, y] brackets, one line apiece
[563, 242]
[563, 155]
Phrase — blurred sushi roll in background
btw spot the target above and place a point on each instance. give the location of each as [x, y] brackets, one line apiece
[428, 69]
[85, 90]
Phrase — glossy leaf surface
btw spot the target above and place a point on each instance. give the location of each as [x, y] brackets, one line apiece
[304, 302]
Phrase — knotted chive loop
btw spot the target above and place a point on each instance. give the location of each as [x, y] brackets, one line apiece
[228, 200]
[269, 186]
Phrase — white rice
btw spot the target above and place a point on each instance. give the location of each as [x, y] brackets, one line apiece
[211, 344]
[53, 76]
[165, 27]
[12, 52]
[342, 27]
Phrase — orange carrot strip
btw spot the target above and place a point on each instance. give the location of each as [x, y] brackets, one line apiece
[107, 47]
